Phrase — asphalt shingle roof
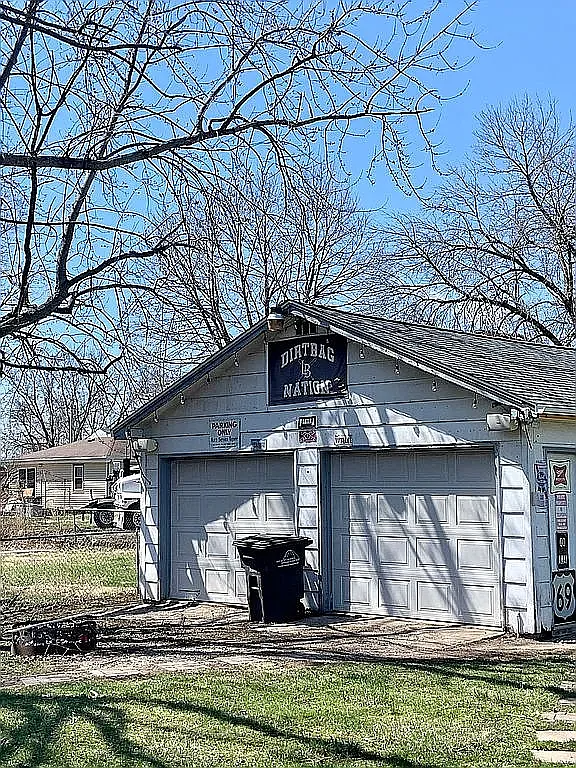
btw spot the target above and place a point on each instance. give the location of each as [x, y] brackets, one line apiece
[100, 448]
[533, 375]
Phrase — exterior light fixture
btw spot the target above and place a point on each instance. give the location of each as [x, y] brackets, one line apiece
[503, 422]
[361, 353]
[145, 445]
[434, 385]
[475, 401]
[397, 368]
[275, 319]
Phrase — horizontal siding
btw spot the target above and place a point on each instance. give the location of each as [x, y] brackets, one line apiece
[54, 484]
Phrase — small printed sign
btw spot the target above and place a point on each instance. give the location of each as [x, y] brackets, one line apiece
[541, 473]
[541, 491]
[307, 436]
[343, 441]
[562, 556]
[307, 422]
[561, 522]
[224, 434]
[561, 500]
[563, 595]
[560, 476]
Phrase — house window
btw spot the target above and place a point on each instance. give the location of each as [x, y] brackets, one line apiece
[78, 481]
[27, 478]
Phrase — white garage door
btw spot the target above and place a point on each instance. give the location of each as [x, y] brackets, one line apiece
[213, 501]
[415, 534]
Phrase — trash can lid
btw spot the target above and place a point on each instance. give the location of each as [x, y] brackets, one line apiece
[269, 540]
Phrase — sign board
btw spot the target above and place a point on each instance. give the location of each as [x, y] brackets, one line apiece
[562, 557]
[560, 476]
[307, 368]
[541, 491]
[224, 434]
[307, 433]
[563, 598]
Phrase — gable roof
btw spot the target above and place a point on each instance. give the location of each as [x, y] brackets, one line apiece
[95, 449]
[533, 377]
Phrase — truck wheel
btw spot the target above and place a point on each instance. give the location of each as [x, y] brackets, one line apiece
[103, 518]
[132, 519]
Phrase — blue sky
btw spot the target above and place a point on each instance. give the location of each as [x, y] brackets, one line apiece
[533, 51]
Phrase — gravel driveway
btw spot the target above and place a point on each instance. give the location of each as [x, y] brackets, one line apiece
[182, 637]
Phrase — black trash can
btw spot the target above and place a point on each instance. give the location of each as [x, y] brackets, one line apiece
[274, 566]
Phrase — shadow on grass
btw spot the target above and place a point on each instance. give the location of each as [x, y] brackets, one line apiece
[33, 742]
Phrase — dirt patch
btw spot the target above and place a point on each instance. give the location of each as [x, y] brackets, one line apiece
[182, 637]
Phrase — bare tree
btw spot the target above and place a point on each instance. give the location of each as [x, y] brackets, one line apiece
[99, 95]
[495, 248]
[43, 409]
[246, 249]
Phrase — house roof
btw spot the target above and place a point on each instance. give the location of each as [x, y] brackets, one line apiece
[93, 449]
[535, 377]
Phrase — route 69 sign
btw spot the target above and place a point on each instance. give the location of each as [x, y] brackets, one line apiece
[563, 596]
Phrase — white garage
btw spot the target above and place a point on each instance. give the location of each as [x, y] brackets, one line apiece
[415, 534]
[215, 499]
[433, 470]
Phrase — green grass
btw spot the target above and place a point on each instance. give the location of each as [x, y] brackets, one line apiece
[436, 714]
[44, 572]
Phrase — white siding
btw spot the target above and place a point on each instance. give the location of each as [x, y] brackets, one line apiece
[54, 483]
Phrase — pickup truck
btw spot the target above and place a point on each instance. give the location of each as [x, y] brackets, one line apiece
[122, 509]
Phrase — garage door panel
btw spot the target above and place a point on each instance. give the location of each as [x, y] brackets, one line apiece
[356, 591]
[475, 468]
[394, 593]
[395, 467]
[434, 597]
[435, 552]
[475, 510]
[433, 510]
[392, 508]
[475, 555]
[208, 516]
[433, 469]
[278, 506]
[393, 550]
[187, 508]
[428, 549]
[477, 601]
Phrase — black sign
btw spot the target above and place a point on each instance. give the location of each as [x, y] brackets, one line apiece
[307, 368]
[563, 598]
[562, 558]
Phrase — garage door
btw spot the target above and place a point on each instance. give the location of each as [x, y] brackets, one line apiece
[213, 501]
[415, 534]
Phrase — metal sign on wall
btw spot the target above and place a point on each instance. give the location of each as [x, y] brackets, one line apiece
[224, 434]
[307, 368]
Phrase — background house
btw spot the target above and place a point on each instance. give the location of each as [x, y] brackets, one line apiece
[68, 476]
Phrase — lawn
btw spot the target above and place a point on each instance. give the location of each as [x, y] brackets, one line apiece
[44, 572]
[40, 583]
[415, 714]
